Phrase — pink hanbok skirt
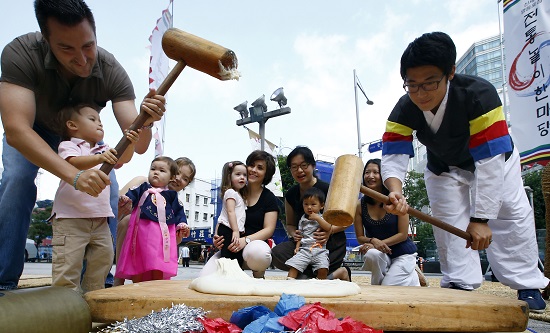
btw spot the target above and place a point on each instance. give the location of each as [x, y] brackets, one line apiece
[143, 254]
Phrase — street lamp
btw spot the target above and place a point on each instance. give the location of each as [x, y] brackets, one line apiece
[356, 84]
[259, 114]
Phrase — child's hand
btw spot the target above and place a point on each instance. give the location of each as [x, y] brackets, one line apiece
[124, 205]
[235, 238]
[296, 250]
[182, 231]
[183, 228]
[108, 156]
[313, 216]
[133, 136]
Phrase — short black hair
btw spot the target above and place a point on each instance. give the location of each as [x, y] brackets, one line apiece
[433, 48]
[260, 155]
[66, 12]
[314, 192]
[305, 152]
[385, 191]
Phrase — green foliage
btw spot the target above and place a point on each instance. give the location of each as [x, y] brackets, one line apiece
[287, 180]
[286, 175]
[414, 189]
[533, 180]
[40, 228]
[425, 236]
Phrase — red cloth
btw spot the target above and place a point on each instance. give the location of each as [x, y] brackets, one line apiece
[320, 320]
[218, 325]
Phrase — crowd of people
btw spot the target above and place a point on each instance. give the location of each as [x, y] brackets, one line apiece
[55, 82]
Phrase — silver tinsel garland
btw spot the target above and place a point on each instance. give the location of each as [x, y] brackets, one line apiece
[179, 318]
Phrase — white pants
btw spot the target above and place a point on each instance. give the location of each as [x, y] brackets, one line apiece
[387, 272]
[256, 255]
[513, 254]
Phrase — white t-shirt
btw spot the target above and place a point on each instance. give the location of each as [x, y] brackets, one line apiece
[240, 209]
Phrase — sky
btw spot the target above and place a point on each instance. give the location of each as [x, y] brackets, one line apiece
[308, 48]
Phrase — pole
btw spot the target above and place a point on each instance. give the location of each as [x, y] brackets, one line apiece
[357, 116]
[262, 134]
[506, 116]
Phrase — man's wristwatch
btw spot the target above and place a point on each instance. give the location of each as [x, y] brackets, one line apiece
[478, 220]
[247, 240]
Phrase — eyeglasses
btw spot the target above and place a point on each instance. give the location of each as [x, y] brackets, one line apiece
[302, 166]
[426, 86]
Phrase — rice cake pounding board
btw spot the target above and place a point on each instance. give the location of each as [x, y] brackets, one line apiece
[381, 307]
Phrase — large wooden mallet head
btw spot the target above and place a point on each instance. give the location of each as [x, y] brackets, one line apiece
[344, 189]
[200, 54]
[187, 50]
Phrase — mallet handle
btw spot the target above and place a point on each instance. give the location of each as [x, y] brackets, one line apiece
[143, 116]
[418, 214]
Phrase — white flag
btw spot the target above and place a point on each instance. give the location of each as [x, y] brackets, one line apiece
[158, 70]
[276, 185]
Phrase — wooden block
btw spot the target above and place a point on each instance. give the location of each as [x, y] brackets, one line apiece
[381, 307]
[343, 191]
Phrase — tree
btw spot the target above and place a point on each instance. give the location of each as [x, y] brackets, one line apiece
[286, 175]
[425, 235]
[287, 180]
[414, 189]
[533, 180]
[40, 228]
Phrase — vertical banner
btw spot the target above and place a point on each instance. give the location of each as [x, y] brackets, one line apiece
[526, 36]
[276, 185]
[158, 70]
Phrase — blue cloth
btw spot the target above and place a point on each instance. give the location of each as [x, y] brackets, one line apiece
[243, 317]
[17, 199]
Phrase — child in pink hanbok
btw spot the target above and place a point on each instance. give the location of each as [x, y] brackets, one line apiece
[150, 250]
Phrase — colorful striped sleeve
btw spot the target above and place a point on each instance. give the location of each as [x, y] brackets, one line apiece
[489, 135]
[397, 139]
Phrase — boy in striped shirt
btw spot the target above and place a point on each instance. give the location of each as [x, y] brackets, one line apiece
[472, 176]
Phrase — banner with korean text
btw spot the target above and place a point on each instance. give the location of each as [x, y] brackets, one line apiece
[526, 37]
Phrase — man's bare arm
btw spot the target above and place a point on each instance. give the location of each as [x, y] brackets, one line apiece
[18, 110]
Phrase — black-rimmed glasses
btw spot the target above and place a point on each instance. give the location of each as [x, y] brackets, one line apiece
[302, 166]
[426, 86]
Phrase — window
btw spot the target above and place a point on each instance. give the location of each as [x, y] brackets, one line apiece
[187, 213]
[205, 217]
[187, 197]
[196, 216]
[206, 201]
[197, 200]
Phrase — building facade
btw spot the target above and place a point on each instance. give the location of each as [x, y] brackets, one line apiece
[196, 199]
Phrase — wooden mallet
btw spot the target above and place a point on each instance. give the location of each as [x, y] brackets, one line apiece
[187, 50]
[344, 189]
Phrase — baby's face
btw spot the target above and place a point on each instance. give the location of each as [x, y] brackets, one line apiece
[312, 205]
[159, 174]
